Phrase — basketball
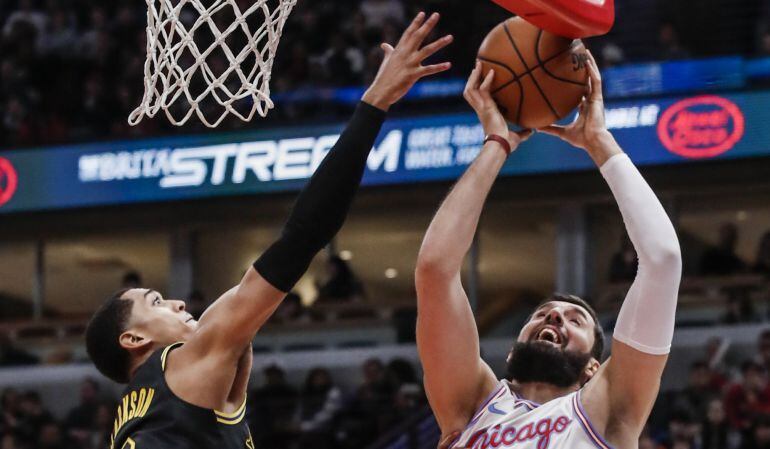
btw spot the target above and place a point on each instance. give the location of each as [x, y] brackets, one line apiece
[539, 77]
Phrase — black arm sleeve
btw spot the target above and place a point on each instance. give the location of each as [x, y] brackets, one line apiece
[323, 204]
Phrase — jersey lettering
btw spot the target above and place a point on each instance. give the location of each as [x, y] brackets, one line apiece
[133, 405]
[508, 436]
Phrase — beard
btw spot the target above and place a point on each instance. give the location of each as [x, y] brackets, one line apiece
[541, 362]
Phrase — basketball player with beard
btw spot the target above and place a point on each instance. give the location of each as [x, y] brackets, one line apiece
[187, 380]
[560, 394]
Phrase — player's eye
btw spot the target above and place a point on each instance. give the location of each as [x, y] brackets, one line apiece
[575, 322]
[156, 301]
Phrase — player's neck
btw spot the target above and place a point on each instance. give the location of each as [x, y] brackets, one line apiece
[541, 392]
[137, 360]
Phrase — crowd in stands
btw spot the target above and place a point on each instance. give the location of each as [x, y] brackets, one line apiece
[316, 414]
[716, 261]
[725, 405]
[71, 70]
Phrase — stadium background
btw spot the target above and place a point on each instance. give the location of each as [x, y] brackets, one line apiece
[87, 205]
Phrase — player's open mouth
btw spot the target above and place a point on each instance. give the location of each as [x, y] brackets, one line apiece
[549, 335]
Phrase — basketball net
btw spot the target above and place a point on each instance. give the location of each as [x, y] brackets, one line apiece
[178, 74]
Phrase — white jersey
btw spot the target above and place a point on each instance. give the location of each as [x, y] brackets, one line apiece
[506, 420]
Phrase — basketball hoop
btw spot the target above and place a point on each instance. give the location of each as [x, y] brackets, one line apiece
[207, 61]
[574, 19]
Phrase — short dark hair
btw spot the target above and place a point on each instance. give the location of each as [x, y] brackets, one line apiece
[103, 337]
[597, 351]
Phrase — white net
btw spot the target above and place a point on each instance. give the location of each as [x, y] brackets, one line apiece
[210, 61]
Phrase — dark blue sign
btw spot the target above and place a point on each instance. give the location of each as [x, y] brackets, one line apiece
[407, 151]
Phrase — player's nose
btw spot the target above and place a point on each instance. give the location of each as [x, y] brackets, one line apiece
[554, 316]
[178, 306]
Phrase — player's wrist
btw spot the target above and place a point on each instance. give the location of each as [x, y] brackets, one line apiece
[499, 141]
[602, 147]
[376, 98]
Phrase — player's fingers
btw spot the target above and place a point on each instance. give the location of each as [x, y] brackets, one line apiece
[414, 26]
[595, 79]
[486, 85]
[435, 46]
[593, 66]
[553, 130]
[419, 36]
[387, 48]
[433, 69]
[473, 80]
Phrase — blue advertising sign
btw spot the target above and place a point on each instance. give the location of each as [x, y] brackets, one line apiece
[670, 131]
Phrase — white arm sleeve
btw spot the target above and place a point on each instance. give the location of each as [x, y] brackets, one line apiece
[646, 319]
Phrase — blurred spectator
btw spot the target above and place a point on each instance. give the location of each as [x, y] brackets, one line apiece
[271, 410]
[683, 430]
[715, 430]
[103, 426]
[319, 403]
[699, 393]
[758, 436]
[341, 284]
[762, 263]
[60, 39]
[624, 263]
[10, 355]
[32, 415]
[82, 418]
[375, 395]
[721, 260]
[377, 12]
[669, 45]
[747, 400]
[131, 279]
[27, 13]
[51, 437]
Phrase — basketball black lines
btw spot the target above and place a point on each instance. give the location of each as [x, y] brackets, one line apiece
[534, 80]
[544, 65]
[554, 91]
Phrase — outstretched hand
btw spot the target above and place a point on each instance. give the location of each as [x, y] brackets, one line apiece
[402, 66]
[589, 127]
[478, 94]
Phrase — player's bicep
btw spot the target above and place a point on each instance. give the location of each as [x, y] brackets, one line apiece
[633, 382]
[456, 378]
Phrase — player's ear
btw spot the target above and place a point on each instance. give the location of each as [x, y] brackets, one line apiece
[133, 340]
[591, 368]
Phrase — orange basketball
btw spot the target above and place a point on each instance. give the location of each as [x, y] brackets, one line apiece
[539, 77]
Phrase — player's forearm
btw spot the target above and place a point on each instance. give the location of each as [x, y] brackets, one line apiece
[451, 232]
[646, 320]
[323, 204]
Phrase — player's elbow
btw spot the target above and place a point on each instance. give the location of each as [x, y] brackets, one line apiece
[666, 256]
[431, 266]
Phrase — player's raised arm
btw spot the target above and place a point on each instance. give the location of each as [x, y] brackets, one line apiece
[319, 212]
[625, 389]
[456, 378]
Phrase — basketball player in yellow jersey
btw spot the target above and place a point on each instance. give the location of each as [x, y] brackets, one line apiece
[558, 394]
[187, 379]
